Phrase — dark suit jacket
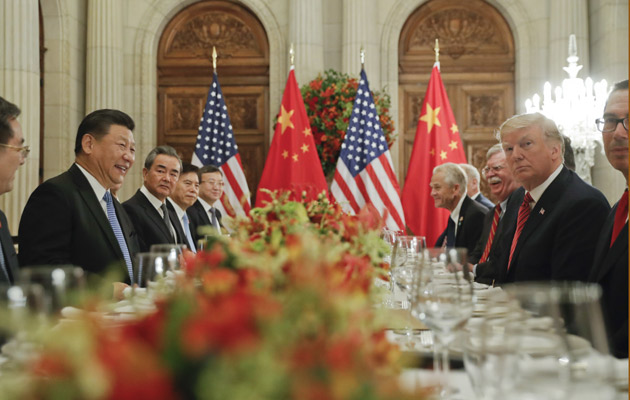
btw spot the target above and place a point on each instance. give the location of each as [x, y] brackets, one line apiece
[487, 272]
[558, 240]
[484, 201]
[198, 218]
[469, 226]
[149, 223]
[10, 257]
[610, 270]
[64, 223]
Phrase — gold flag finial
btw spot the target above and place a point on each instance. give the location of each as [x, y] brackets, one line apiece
[291, 55]
[214, 58]
[362, 54]
[437, 50]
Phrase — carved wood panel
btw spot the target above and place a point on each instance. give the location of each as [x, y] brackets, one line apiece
[476, 65]
[185, 75]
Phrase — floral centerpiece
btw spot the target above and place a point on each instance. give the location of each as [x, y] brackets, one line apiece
[328, 100]
[280, 310]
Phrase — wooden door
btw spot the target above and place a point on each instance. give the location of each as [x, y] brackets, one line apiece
[184, 74]
[476, 65]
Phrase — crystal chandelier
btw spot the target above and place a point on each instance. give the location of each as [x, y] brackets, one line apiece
[574, 108]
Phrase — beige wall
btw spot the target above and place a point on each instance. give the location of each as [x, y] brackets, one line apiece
[537, 27]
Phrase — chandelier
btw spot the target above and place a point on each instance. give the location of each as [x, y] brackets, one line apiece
[574, 107]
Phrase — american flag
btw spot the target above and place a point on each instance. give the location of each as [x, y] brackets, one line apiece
[365, 172]
[216, 146]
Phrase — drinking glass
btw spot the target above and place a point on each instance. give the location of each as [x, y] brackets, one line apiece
[407, 253]
[389, 236]
[64, 285]
[175, 254]
[571, 359]
[150, 269]
[490, 348]
[443, 300]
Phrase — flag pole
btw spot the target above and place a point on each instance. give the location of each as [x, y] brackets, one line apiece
[362, 55]
[437, 53]
[214, 59]
[291, 56]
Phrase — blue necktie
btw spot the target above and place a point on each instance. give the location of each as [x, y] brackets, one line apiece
[450, 233]
[113, 221]
[3, 264]
[191, 242]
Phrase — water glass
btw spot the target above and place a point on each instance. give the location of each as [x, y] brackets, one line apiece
[175, 254]
[64, 285]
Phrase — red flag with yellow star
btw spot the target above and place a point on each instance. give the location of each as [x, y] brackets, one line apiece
[292, 163]
[437, 141]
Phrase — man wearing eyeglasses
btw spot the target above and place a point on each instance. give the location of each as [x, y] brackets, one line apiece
[502, 185]
[13, 153]
[203, 212]
[557, 223]
[610, 267]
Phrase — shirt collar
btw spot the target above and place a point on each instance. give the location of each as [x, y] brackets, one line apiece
[155, 202]
[538, 191]
[458, 207]
[98, 189]
[178, 210]
[205, 204]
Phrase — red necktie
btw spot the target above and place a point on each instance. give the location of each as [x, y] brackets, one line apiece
[493, 230]
[523, 214]
[620, 217]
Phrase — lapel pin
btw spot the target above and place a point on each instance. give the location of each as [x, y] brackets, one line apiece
[542, 211]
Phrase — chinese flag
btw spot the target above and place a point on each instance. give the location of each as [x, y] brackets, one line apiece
[437, 141]
[292, 163]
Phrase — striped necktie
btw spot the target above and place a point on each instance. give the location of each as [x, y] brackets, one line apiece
[113, 221]
[3, 264]
[523, 213]
[493, 231]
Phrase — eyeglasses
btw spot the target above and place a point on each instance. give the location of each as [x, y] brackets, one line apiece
[24, 150]
[606, 125]
[496, 169]
[213, 183]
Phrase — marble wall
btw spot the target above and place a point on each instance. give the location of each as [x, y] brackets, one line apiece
[88, 64]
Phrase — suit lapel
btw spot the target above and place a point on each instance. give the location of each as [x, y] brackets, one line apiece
[203, 214]
[460, 220]
[541, 209]
[153, 215]
[93, 204]
[606, 255]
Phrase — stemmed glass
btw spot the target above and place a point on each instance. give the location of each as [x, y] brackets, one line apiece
[150, 271]
[406, 255]
[571, 359]
[175, 254]
[64, 285]
[443, 300]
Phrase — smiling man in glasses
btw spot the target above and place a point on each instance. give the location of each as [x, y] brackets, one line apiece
[610, 267]
[12, 154]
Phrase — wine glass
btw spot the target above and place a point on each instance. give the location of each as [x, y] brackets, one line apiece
[175, 254]
[443, 300]
[150, 271]
[570, 359]
[407, 254]
[64, 285]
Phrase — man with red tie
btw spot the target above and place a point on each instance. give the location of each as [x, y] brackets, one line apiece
[557, 221]
[502, 185]
[610, 267]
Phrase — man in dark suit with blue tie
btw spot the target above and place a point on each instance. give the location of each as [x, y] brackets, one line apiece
[13, 153]
[610, 267]
[147, 208]
[204, 213]
[554, 229]
[73, 218]
[448, 189]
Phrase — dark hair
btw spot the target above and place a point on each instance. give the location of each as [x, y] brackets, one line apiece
[97, 124]
[621, 85]
[569, 157]
[207, 169]
[164, 149]
[186, 168]
[8, 111]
